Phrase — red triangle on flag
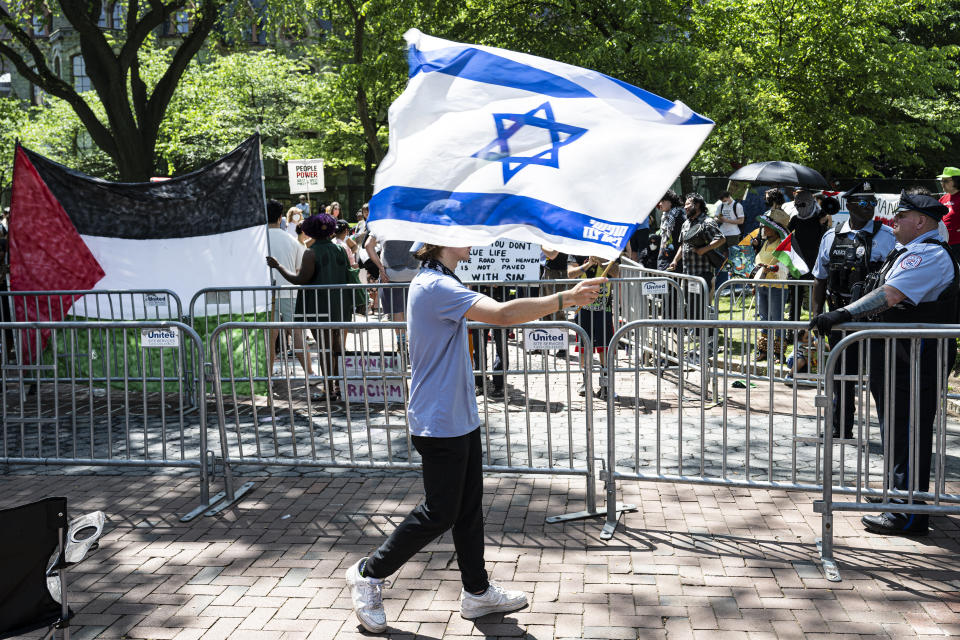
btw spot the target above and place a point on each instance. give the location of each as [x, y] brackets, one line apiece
[46, 253]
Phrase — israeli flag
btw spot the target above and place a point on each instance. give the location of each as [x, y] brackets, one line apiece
[487, 143]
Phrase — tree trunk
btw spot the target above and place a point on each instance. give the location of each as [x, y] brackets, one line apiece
[133, 117]
[134, 159]
[368, 174]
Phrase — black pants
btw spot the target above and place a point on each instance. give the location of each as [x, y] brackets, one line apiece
[798, 296]
[695, 302]
[903, 408]
[902, 428]
[844, 394]
[501, 362]
[453, 484]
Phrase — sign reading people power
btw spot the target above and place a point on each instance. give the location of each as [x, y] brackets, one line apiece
[502, 260]
[305, 176]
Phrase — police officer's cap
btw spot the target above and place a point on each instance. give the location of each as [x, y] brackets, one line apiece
[860, 190]
[927, 205]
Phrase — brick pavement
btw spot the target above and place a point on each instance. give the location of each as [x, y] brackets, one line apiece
[694, 562]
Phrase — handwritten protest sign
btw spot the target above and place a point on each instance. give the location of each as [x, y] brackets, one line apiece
[502, 260]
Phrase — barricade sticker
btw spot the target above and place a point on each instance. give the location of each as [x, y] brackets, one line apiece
[654, 288]
[162, 338]
[155, 300]
[545, 339]
[694, 288]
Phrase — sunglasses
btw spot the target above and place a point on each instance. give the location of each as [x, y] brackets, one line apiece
[864, 203]
[901, 214]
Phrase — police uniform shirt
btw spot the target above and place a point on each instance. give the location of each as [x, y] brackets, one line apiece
[883, 244]
[922, 272]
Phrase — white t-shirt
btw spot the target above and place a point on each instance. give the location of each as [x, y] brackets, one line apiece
[288, 253]
[725, 211]
[292, 227]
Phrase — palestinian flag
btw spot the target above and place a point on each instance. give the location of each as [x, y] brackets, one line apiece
[69, 231]
[789, 258]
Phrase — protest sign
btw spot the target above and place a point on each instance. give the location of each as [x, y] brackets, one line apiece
[375, 378]
[502, 260]
[305, 176]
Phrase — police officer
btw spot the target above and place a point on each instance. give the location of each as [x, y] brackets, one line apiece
[847, 254]
[917, 283]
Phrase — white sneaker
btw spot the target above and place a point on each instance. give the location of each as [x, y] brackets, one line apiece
[367, 599]
[495, 599]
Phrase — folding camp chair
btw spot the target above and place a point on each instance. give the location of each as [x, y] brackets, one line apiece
[36, 548]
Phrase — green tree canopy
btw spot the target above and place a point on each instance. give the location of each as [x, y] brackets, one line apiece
[849, 88]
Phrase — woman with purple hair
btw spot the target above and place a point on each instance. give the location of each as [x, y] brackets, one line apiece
[324, 263]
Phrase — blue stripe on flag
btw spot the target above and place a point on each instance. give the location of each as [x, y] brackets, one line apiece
[660, 104]
[483, 66]
[446, 208]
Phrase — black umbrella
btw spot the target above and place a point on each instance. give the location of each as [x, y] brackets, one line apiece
[779, 173]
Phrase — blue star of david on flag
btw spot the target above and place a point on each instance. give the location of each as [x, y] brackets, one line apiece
[509, 124]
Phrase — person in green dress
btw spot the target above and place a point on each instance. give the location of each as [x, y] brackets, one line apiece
[324, 263]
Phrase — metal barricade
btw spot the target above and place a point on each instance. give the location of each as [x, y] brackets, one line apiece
[665, 423]
[213, 306]
[87, 399]
[340, 401]
[740, 299]
[99, 305]
[666, 426]
[102, 306]
[900, 441]
[649, 299]
[737, 300]
[695, 303]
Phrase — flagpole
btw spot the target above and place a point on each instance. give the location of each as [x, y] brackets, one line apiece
[603, 274]
[263, 194]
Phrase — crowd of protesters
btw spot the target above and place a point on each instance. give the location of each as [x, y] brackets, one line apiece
[683, 234]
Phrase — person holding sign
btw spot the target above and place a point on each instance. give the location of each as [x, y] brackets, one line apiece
[325, 263]
[445, 429]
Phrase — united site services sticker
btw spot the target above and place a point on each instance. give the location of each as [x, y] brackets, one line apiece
[911, 262]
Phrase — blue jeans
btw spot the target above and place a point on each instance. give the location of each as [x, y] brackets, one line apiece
[770, 304]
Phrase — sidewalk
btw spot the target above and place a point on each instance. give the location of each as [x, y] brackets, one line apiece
[694, 562]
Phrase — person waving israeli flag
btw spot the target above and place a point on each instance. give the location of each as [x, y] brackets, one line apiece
[487, 143]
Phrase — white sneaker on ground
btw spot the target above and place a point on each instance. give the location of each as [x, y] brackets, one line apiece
[495, 599]
[367, 598]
